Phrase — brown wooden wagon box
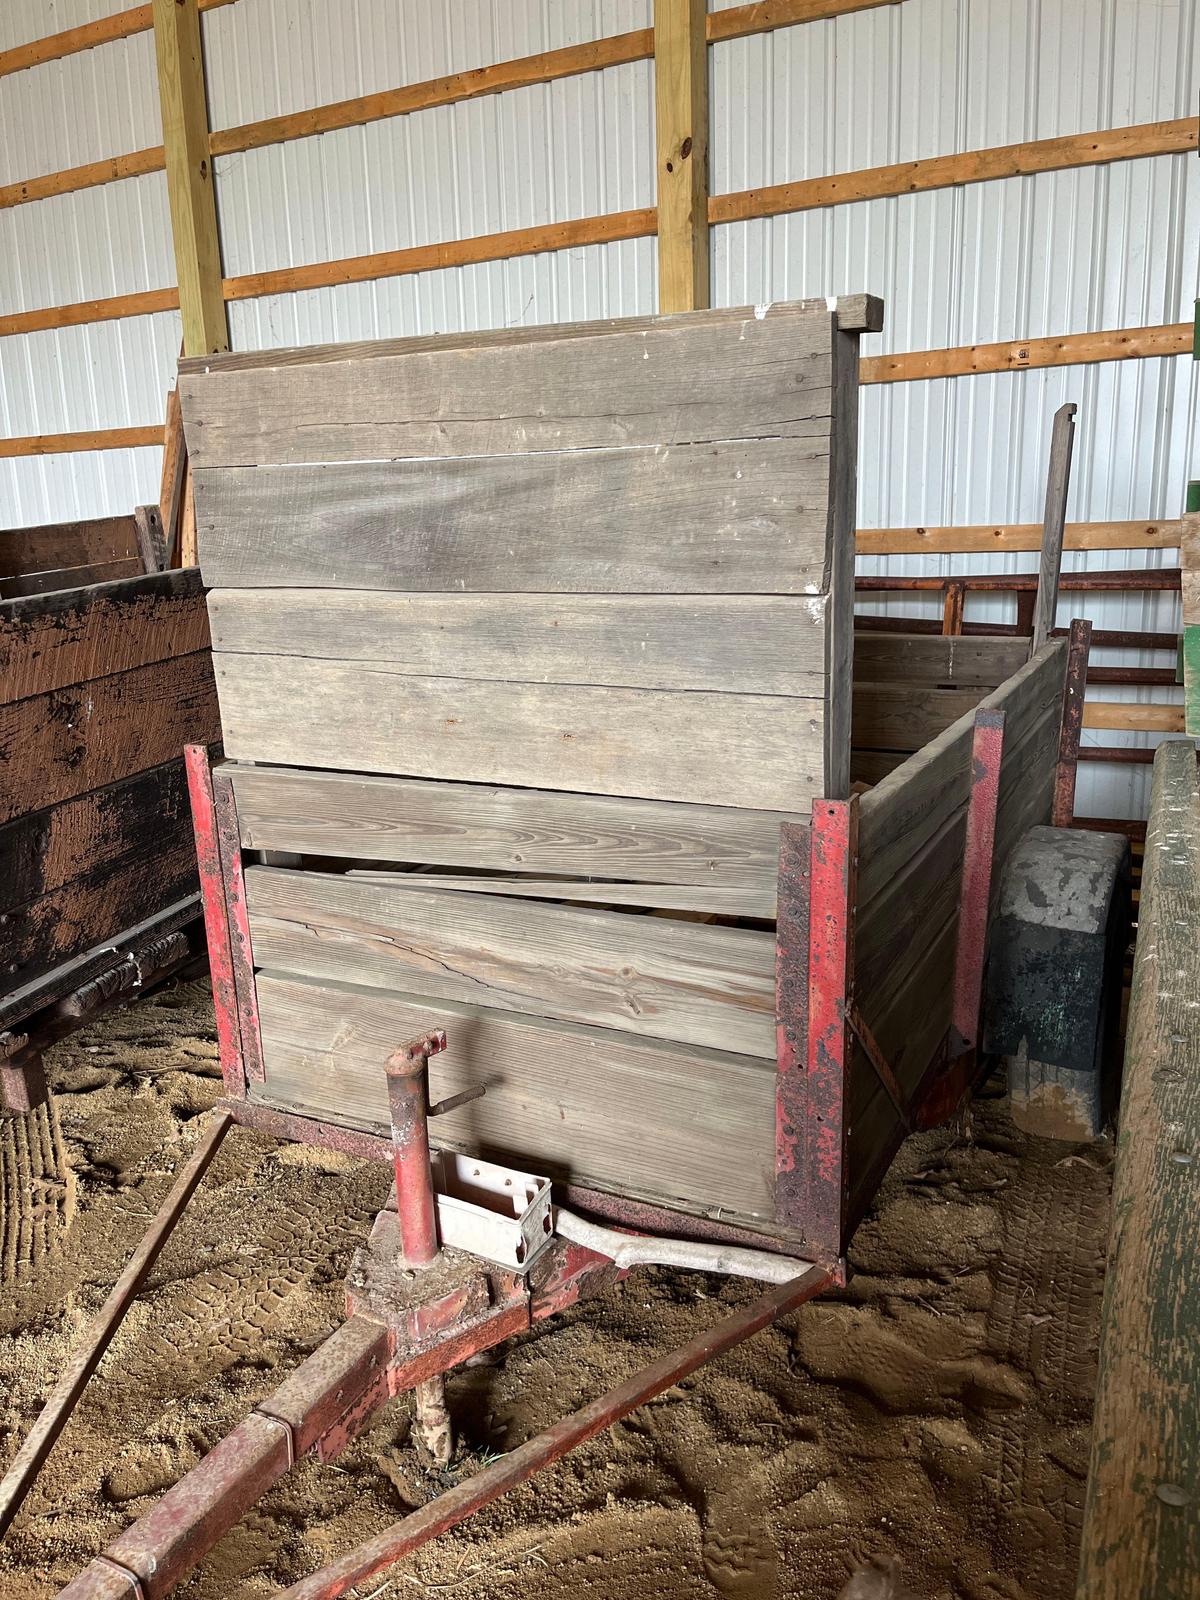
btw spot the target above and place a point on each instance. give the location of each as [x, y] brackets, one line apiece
[101, 686]
[543, 707]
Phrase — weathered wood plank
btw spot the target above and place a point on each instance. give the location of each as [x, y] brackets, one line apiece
[949, 661]
[58, 745]
[66, 578]
[910, 805]
[665, 979]
[1058, 483]
[733, 517]
[1141, 1533]
[688, 1126]
[906, 716]
[839, 547]
[758, 751]
[49, 642]
[593, 891]
[44, 850]
[107, 897]
[55, 545]
[736, 643]
[650, 381]
[483, 828]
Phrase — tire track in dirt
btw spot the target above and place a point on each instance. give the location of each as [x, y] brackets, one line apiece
[37, 1191]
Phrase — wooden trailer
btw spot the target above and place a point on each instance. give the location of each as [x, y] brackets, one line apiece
[541, 699]
[564, 822]
[101, 686]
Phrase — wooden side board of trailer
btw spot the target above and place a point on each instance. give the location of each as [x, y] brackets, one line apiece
[100, 689]
[68, 555]
[1141, 1529]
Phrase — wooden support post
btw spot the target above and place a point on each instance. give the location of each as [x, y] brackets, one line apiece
[189, 176]
[1058, 481]
[681, 110]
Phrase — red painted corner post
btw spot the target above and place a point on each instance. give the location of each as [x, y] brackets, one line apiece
[814, 975]
[216, 920]
[1063, 812]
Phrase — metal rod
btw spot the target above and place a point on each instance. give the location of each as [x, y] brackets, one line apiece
[408, 1101]
[449, 1509]
[1072, 722]
[57, 1410]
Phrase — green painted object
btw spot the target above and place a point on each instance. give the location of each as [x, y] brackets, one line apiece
[1191, 679]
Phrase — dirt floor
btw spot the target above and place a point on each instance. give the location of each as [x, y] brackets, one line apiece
[936, 1411]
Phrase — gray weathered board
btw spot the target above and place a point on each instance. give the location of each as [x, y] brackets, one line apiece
[533, 641]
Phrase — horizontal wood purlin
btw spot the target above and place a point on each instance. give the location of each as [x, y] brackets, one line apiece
[655, 1120]
[53, 641]
[682, 981]
[104, 30]
[481, 827]
[983, 538]
[66, 544]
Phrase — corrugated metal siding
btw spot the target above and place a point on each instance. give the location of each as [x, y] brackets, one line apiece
[1058, 253]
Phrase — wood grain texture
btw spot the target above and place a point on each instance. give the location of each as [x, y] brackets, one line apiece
[1058, 483]
[681, 153]
[67, 544]
[1141, 1534]
[959, 661]
[43, 850]
[52, 641]
[594, 891]
[663, 979]
[1189, 551]
[906, 716]
[479, 827]
[839, 545]
[732, 643]
[758, 751]
[105, 898]
[65, 578]
[981, 537]
[690, 1126]
[650, 381]
[58, 745]
[741, 516]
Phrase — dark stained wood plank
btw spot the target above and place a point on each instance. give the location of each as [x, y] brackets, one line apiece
[757, 751]
[1141, 1532]
[691, 1127]
[735, 517]
[663, 897]
[101, 902]
[56, 545]
[649, 381]
[661, 978]
[66, 578]
[479, 827]
[58, 745]
[733, 643]
[52, 641]
[949, 661]
[44, 850]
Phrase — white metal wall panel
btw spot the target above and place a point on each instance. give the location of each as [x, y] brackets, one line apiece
[106, 241]
[1066, 252]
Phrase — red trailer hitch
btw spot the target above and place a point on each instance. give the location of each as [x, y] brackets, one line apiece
[417, 1307]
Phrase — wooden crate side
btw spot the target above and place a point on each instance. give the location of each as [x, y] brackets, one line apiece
[947, 661]
[84, 736]
[99, 903]
[52, 641]
[649, 381]
[478, 827]
[655, 976]
[1141, 1536]
[45, 850]
[58, 545]
[64, 579]
[758, 751]
[899, 716]
[691, 1127]
[747, 644]
[733, 516]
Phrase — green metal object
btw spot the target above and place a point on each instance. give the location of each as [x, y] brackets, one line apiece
[1193, 496]
[1191, 679]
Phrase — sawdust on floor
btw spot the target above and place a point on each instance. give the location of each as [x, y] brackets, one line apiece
[936, 1411]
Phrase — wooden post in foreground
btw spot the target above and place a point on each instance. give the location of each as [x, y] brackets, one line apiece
[189, 176]
[681, 144]
[1058, 481]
